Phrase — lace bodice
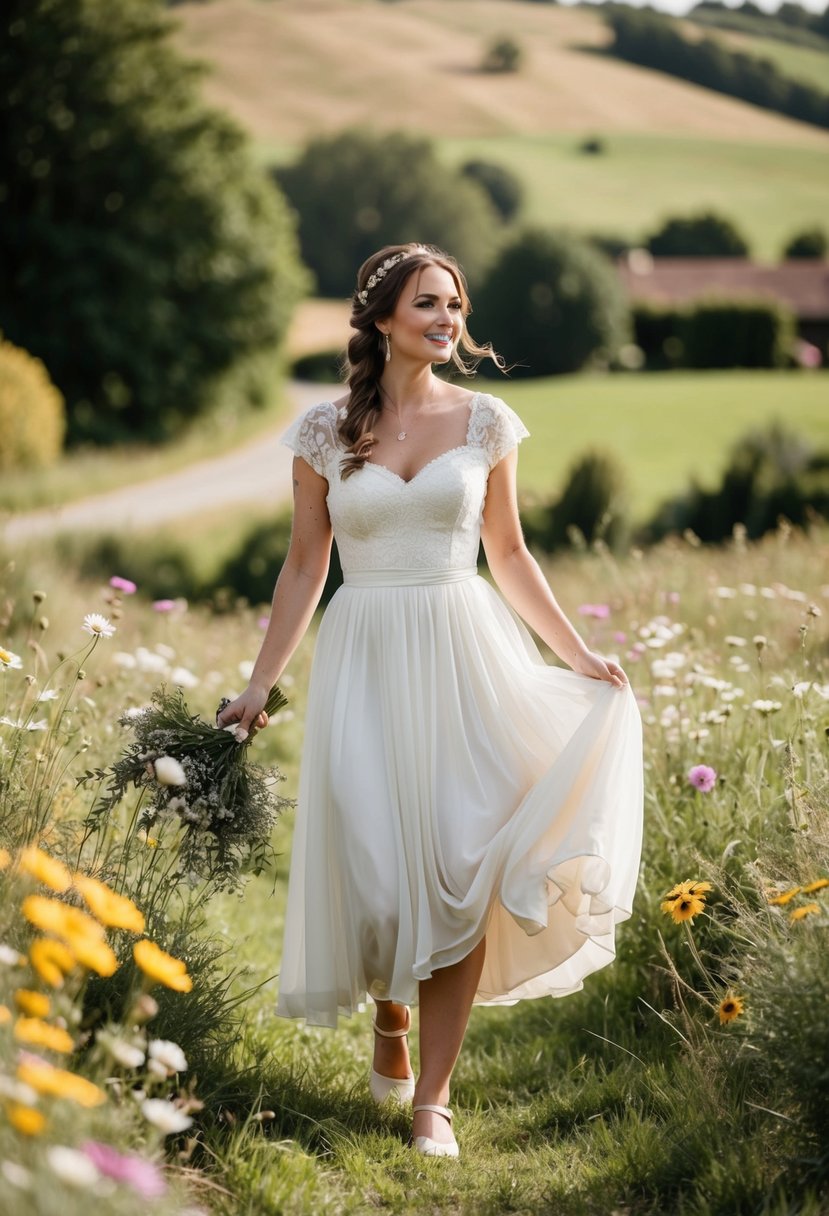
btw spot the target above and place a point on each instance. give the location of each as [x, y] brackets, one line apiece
[433, 521]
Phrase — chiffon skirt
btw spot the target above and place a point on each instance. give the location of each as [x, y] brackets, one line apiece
[454, 786]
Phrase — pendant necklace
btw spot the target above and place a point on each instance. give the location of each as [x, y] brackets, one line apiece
[401, 434]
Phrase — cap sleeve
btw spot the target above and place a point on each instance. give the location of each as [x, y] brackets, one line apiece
[496, 428]
[313, 436]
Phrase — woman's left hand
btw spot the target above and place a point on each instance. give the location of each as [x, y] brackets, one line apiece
[593, 665]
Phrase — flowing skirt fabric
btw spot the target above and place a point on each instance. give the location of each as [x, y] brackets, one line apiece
[454, 786]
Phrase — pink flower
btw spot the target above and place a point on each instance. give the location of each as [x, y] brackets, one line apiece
[703, 777]
[125, 585]
[263, 622]
[620, 636]
[600, 611]
[138, 1173]
[164, 605]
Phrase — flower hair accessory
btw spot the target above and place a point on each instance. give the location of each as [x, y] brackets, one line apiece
[380, 273]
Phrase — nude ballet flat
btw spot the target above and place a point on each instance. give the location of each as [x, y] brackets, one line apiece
[382, 1088]
[434, 1148]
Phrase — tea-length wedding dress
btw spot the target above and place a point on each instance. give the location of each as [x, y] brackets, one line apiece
[453, 784]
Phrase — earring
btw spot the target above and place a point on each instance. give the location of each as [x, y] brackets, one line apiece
[388, 349]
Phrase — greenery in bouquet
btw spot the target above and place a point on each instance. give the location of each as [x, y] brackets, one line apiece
[199, 777]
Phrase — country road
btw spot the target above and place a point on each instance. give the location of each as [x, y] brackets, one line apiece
[259, 471]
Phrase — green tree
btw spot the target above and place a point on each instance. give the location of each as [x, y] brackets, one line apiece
[502, 55]
[144, 258]
[504, 189]
[355, 192]
[811, 243]
[552, 304]
[698, 236]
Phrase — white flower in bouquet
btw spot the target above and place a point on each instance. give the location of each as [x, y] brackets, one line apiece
[168, 771]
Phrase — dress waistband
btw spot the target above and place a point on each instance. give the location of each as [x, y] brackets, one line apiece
[406, 578]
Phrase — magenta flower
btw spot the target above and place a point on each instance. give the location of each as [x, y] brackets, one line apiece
[124, 585]
[164, 605]
[620, 636]
[600, 611]
[263, 622]
[703, 777]
[136, 1172]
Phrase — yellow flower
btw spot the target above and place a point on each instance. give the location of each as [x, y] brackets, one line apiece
[95, 956]
[5, 1015]
[25, 1119]
[5, 859]
[696, 889]
[781, 900]
[806, 910]
[817, 885]
[53, 916]
[161, 967]
[45, 1078]
[36, 1004]
[110, 908]
[730, 1008]
[48, 870]
[41, 1034]
[51, 960]
[683, 907]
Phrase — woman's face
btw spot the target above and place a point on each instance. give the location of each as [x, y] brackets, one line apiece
[428, 318]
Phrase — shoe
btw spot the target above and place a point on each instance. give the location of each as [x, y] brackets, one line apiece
[382, 1088]
[435, 1148]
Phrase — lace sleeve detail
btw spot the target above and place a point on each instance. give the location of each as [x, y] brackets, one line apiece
[496, 428]
[313, 436]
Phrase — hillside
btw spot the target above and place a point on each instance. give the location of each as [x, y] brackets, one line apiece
[288, 70]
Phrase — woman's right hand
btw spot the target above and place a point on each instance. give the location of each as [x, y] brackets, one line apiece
[248, 710]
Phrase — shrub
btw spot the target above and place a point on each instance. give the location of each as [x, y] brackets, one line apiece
[502, 187]
[319, 367]
[552, 304]
[32, 420]
[502, 55]
[592, 506]
[706, 235]
[252, 571]
[143, 253]
[355, 192]
[811, 243]
[734, 333]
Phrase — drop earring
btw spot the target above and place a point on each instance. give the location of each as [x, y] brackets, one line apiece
[388, 349]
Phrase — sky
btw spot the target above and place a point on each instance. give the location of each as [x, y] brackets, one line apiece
[682, 6]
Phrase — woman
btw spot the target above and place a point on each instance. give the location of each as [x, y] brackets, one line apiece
[469, 818]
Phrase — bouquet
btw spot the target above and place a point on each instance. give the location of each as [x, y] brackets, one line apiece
[199, 775]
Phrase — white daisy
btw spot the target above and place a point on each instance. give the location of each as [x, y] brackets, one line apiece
[9, 659]
[98, 625]
[165, 1116]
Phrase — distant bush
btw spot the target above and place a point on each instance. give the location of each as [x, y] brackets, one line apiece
[552, 304]
[656, 329]
[32, 419]
[320, 367]
[770, 474]
[356, 191]
[698, 236]
[502, 55]
[811, 243]
[503, 188]
[735, 333]
[253, 569]
[595, 146]
[593, 505]
[145, 258]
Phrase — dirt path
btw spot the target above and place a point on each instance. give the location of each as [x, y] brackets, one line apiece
[258, 471]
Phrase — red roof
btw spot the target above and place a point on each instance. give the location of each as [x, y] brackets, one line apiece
[803, 284]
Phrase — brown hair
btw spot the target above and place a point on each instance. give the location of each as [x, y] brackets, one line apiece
[366, 350]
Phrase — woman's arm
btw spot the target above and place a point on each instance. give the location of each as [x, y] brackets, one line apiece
[519, 577]
[296, 595]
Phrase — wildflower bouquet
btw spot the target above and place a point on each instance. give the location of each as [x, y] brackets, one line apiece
[190, 771]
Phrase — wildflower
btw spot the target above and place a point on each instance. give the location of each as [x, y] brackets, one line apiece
[166, 1058]
[683, 907]
[730, 1008]
[108, 907]
[5, 1015]
[17, 1175]
[760, 641]
[54, 916]
[161, 967]
[168, 771]
[263, 622]
[95, 956]
[40, 1034]
[733, 640]
[164, 605]
[690, 887]
[25, 1119]
[766, 707]
[25, 723]
[35, 1004]
[165, 1116]
[135, 1172]
[49, 694]
[98, 625]
[599, 611]
[817, 885]
[45, 1078]
[9, 659]
[806, 910]
[702, 777]
[51, 960]
[48, 870]
[125, 1054]
[125, 585]
[184, 678]
[72, 1167]
[784, 897]
[10, 957]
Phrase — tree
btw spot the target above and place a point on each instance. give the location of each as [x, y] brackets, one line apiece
[811, 243]
[698, 236]
[356, 191]
[502, 55]
[144, 257]
[552, 304]
[502, 187]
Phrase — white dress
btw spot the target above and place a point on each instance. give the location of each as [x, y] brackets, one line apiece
[453, 784]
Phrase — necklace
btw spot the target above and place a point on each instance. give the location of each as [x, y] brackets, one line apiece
[402, 433]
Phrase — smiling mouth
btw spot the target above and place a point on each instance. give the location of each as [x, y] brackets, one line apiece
[444, 339]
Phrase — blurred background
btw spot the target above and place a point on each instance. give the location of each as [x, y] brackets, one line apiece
[639, 198]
